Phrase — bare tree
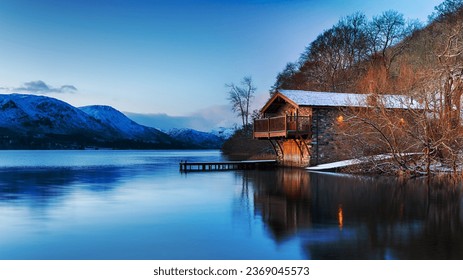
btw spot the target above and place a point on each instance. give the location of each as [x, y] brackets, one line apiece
[287, 78]
[386, 32]
[332, 60]
[374, 128]
[241, 97]
[442, 88]
[432, 131]
[446, 8]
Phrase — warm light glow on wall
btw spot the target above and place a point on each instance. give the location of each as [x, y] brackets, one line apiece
[340, 217]
[340, 119]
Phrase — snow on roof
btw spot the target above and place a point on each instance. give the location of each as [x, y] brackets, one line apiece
[333, 99]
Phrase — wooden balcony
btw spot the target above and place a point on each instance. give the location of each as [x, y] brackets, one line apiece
[289, 127]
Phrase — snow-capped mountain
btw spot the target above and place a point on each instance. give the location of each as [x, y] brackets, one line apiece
[124, 126]
[32, 121]
[45, 122]
[196, 138]
[223, 132]
[40, 114]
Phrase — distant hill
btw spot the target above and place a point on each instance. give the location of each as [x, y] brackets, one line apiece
[123, 126]
[223, 132]
[40, 122]
[35, 115]
[197, 138]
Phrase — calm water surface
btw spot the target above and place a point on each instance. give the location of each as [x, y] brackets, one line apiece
[137, 205]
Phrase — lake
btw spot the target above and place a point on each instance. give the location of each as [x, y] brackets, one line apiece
[137, 205]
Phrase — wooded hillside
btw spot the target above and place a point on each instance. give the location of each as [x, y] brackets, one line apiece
[391, 55]
[378, 55]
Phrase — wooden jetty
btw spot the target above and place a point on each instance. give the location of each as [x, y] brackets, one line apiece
[186, 166]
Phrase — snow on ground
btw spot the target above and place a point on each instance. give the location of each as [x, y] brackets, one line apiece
[349, 162]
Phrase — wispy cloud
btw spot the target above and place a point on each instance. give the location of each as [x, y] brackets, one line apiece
[41, 87]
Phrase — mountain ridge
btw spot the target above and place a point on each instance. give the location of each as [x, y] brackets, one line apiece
[29, 121]
[197, 138]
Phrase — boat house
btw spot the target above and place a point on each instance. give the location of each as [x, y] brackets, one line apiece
[301, 125]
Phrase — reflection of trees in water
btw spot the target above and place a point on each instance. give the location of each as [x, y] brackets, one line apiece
[43, 186]
[345, 217]
[442, 233]
[377, 213]
[242, 203]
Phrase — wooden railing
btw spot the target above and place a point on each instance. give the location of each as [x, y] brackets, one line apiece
[284, 126]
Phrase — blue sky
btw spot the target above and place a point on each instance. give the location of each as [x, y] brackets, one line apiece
[164, 56]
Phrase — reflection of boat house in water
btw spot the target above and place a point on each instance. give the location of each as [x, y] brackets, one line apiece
[282, 198]
[358, 217]
[301, 125]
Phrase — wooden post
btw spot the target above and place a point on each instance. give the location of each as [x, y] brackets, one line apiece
[286, 125]
[268, 127]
